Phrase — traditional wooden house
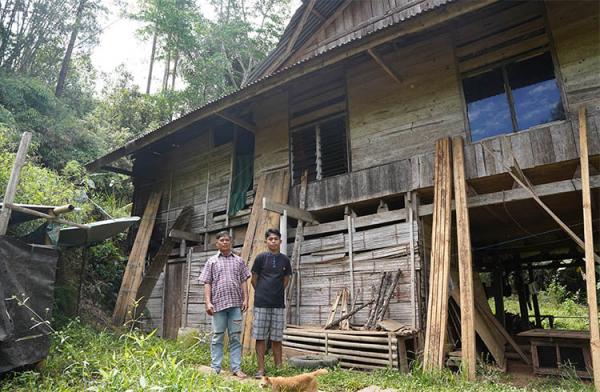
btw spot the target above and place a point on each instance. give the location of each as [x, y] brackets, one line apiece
[356, 93]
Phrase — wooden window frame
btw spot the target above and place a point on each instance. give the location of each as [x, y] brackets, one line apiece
[318, 155]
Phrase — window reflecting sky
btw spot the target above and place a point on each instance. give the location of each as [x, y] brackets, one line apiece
[489, 117]
[537, 104]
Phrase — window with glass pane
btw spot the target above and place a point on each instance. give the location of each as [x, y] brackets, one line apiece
[512, 97]
[535, 91]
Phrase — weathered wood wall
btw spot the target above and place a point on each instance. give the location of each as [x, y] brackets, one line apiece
[574, 26]
[391, 121]
[325, 270]
[271, 146]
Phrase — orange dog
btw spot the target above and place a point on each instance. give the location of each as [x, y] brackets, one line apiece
[306, 382]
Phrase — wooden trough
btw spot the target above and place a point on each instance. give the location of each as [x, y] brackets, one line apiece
[354, 349]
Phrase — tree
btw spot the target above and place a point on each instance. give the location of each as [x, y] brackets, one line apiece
[60, 84]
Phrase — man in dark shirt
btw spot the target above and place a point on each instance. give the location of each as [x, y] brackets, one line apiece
[270, 276]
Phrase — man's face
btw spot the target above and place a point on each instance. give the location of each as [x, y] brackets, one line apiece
[224, 244]
[273, 242]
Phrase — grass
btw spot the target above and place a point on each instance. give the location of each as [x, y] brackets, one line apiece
[555, 300]
[83, 359]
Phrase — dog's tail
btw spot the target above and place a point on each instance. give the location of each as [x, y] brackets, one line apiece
[319, 372]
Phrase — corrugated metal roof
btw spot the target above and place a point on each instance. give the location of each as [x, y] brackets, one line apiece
[328, 6]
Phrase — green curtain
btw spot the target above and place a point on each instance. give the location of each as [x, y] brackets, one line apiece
[241, 183]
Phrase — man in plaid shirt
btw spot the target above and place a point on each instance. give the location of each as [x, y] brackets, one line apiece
[225, 278]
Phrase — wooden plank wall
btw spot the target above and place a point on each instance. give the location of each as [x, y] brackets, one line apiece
[325, 271]
[271, 146]
[183, 175]
[575, 26]
[390, 121]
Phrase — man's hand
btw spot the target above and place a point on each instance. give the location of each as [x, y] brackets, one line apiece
[210, 309]
[244, 305]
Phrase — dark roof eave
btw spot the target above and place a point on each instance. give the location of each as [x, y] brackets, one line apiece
[331, 56]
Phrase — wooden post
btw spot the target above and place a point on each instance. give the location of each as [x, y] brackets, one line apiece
[498, 282]
[534, 300]
[590, 265]
[13, 181]
[187, 286]
[413, 280]
[84, 261]
[283, 230]
[231, 173]
[465, 263]
[135, 264]
[351, 258]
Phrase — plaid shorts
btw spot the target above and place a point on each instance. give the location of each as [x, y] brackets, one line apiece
[268, 322]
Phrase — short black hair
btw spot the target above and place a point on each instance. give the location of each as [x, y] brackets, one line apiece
[223, 233]
[272, 231]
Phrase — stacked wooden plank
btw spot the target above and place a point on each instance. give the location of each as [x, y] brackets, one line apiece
[276, 185]
[354, 349]
[437, 310]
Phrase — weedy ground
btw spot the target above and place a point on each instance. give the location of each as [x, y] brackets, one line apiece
[84, 359]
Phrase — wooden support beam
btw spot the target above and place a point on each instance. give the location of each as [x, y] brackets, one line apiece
[554, 188]
[292, 212]
[383, 65]
[237, 121]
[135, 264]
[183, 221]
[118, 170]
[317, 14]
[590, 265]
[13, 181]
[295, 259]
[465, 263]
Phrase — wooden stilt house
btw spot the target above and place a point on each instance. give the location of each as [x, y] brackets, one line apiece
[356, 94]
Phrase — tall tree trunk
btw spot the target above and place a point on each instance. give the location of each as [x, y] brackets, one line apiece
[174, 73]
[165, 82]
[64, 68]
[152, 53]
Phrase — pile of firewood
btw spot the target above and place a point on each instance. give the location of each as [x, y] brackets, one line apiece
[388, 284]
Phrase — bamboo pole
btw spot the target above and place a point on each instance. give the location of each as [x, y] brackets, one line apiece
[13, 181]
[53, 218]
[590, 265]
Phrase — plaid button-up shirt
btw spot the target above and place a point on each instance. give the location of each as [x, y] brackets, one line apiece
[225, 274]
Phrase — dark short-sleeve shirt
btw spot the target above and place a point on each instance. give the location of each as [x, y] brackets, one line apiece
[270, 268]
[225, 274]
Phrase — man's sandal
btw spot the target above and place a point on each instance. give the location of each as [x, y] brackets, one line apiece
[259, 375]
[239, 374]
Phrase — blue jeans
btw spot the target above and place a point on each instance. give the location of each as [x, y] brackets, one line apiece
[229, 319]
